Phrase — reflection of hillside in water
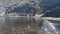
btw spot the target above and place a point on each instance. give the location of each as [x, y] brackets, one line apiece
[20, 26]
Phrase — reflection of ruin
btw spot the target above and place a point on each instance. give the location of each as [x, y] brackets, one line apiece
[19, 26]
[29, 29]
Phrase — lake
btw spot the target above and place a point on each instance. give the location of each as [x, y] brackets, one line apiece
[20, 25]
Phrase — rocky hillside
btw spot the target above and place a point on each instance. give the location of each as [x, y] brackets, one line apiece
[26, 6]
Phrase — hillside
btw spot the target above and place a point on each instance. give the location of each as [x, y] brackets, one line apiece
[24, 6]
[50, 4]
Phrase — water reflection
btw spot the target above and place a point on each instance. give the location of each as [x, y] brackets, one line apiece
[20, 25]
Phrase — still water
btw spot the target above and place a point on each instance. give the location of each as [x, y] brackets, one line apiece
[20, 25]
